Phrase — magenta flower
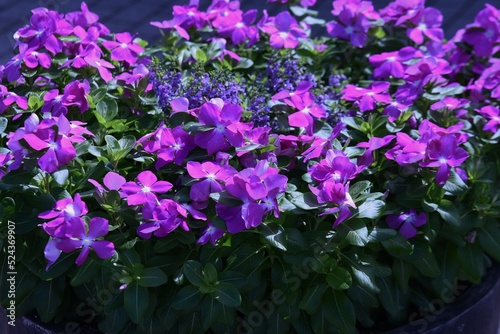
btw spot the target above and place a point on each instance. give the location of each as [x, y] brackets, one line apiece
[212, 175]
[242, 29]
[79, 238]
[76, 95]
[444, 153]
[352, 25]
[492, 114]
[389, 64]
[102, 66]
[40, 32]
[307, 109]
[210, 233]
[407, 222]
[124, 49]
[258, 189]
[284, 31]
[228, 130]
[294, 99]
[166, 217]
[143, 192]
[484, 33]
[403, 11]
[336, 167]
[112, 181]
[428, 25]
[8, 98]
[63, 211]
[138, 73]
[337, 194]
[32, 58]
[367, 98]
[374, 143]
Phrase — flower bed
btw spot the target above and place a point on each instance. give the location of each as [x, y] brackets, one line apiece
[245, 176]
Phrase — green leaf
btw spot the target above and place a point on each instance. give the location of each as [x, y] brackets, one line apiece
[186, 298]
[363, 274]
[470, 257]
[61, 176]
[489, 238]
[165, 244]
[370, 209]
[210, 274]
[48, 297]
[34, 102]
[398, 246]
[455, 185]
[358, 188]
[391, 298]
[274, 234]
[305, 201]
[355, 231]
[312, 298]
[194, 272]
[200, 56]
[379, 234]
[129, 257]
[3, 124]
[115, 322]
[342, 314]
[85, 273]
[211, 311]
[402, 271]
[136, 301]
[106, 110]
[227, 294]
[152, 277]
[424, 260]
[118, 149]
[449, 212]
[339, 278]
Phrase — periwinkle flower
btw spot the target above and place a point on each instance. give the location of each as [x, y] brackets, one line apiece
[8, 98]
[429, 25]
[124, 48]
[77, 237]
[492, 114]
[144, 191]
[444, 153]
[407, 222]
[166, 217]
[63, 211]
[210, 175]
[367, 98]
[284, 31]
[228, 130]
[210, 233]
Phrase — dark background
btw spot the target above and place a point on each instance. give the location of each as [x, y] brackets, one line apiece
[134, 15]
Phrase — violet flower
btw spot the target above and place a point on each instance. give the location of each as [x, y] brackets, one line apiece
[78, 238]
[166, 217]
[407, 222]
[212, 174]
[492, 114]
[429, 25]
[144, 190]
[210, 233]
[124, 49]
[284, 31]
[444, 153]
[228, 130]
[367, 98]
[63, 211]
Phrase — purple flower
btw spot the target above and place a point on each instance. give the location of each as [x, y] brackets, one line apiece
[484, 33]
[143, 192]
[444, 153]
[111, 180]
[40, 32]
[102, 66]
[258, 189]
[492, 114]
[124, 49]
[76, 95]
[307, 109]
[211, 174]
[210, 233]
[78, 238]
[337, 194]
[430, 21]
[138, 73]
[166, 217]
[407, 222]
[353, 23]
[367, 98]
[8, 98]
[373, 144]
[403, 11]
[284, 31]
[391, 63]
[336, 167]
[241, 28]
[63, 211]
[228, 130]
